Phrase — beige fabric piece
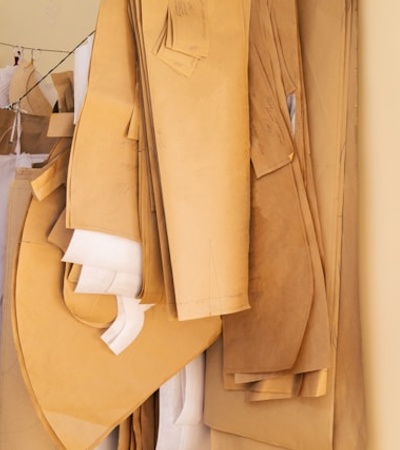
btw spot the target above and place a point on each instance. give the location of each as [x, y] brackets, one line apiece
[278, 385]
[153, 227]
[34, 133]
[289, 420]
[20, 427]
[350, 415]
[287, 326]
[124, 434]
[102, 180]
[94, 390]
[64, 85]
[281, 423]
[225, 441]
[202, 163]
[145, 424]
[61, 125]
[40, 100]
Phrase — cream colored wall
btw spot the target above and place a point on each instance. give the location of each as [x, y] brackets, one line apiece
[380, 216]
[54, 24]
[61, 24]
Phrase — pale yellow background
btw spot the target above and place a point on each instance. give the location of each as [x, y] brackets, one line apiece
[51, 24]
[380, 216]
[61, 24]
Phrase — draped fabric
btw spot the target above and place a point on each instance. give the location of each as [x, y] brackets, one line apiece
[196, 193]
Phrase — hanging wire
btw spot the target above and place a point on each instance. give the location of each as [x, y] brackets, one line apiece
[12, 105]
[5, 44]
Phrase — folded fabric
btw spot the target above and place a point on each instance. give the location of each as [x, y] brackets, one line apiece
[127, 326]
[99, 280]
[102, 250]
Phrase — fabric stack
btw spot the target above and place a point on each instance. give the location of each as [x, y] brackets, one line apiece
[183, 265]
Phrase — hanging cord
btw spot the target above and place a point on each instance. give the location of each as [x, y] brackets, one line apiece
[12, 105]
[5, 44]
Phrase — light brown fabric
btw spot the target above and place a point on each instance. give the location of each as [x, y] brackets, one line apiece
[20, 427]
[94, 390]
[225, 441]
[24, 78]
[148, 146]
[284, 422]
[102, 183]
[124, 434]
[302, 423]
[202, 164]
[287, 327]
[350, 421]
[34, 133]
[145, 424]
[61, 125]
[64, 84]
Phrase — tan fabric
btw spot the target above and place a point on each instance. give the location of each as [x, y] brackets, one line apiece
[285, 423]
[102, 183]
[224, 441]
[94, 389]
[34, 133]
[61, 125]
[287, 327]
[124, 434]
[147, 138]
[24, 78]
[145, 424]
[153, 284]
[301, 423]
[202, 163]
[350, 420]
[64, 84]
[20, 427]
